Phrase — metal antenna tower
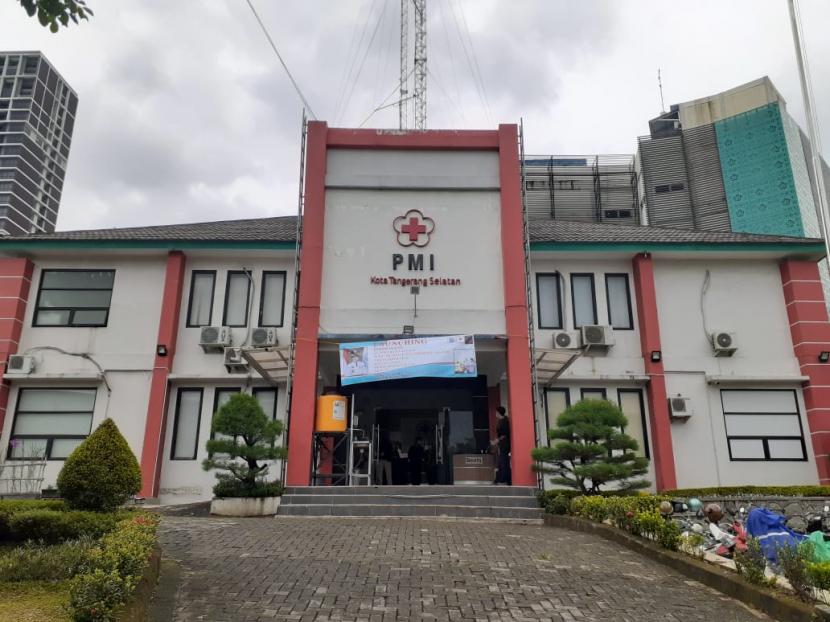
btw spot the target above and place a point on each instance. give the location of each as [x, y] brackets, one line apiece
[404, 94]
[420, 88]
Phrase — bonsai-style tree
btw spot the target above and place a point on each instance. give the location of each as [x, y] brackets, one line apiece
[102, 472]
[593, 451]
[244, 439]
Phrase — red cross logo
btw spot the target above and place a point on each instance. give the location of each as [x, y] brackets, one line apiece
[413, 228]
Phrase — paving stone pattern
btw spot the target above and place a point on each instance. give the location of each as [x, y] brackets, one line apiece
[295, 568]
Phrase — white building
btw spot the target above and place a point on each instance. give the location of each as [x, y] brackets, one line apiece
[113, 320]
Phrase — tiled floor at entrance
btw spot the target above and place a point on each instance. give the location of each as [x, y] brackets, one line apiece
[412, 569]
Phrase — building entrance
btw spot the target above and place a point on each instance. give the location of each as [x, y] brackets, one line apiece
[426, 430]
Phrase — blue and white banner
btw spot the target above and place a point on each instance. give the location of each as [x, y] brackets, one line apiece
[436, 357]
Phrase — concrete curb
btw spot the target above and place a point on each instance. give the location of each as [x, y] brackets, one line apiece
[136, 610]
[774, 604]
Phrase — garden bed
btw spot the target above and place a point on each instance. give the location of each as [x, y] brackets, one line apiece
[60, 564]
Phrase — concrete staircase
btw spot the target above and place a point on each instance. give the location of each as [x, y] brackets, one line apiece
[507, 502]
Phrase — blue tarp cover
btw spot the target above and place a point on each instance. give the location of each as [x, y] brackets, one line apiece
[771, 532]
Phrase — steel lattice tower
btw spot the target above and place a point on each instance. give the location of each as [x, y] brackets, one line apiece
[404, 94]
[420, 73]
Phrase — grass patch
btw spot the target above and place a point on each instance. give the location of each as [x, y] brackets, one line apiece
[34, 602]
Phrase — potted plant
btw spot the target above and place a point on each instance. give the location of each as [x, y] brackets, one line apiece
[243, 441]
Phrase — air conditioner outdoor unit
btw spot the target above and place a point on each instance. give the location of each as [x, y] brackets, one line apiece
[679, 407]
[724, 344]
[20, 364]
[262, 337]
[567, 339]
[598, 336]
[235, 363]
[215, 338]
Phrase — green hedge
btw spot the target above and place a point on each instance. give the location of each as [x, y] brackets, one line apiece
[52, 526]
[766, 491]
[9, 508]
[113, 570]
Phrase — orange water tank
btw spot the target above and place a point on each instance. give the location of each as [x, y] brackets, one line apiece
[331, 414]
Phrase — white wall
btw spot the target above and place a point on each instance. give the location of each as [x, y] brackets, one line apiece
[744, 297]
[185, 481]
[624, 357]
[367, 191]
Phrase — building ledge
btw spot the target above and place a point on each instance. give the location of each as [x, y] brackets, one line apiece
[733, 379]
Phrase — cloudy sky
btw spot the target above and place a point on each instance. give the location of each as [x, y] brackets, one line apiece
[186, 115]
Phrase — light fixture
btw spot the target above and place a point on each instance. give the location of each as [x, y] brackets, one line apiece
[161, 349]
[823, 356]
[408, 329]
[656, 356]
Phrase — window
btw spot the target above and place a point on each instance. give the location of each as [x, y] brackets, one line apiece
[186, 424]
[220, 397]
[272, 299]
[267, 398]
[584, 299]
[237, 293]
[200, 305]
[31, 64]
[592, 394]
[664, 188]
[556, 401]
[548, 300]
[631, 404]
[51, 422]
[619, 301]
[74, 298]
[763, 425]
[26, 87]
[617, 213]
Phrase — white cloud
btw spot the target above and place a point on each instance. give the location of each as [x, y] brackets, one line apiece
[186, 115]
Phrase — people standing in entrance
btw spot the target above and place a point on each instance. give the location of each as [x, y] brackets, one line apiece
[503, 433]
[385, 453]
[416, 461]
[399, 464]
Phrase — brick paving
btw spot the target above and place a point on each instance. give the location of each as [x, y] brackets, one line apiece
[377, 570]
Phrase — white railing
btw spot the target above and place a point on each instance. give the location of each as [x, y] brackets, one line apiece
[22, 477]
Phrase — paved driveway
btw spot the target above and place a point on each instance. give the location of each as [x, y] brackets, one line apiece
[404, 569]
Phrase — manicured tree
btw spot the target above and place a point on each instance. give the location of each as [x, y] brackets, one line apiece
[593, 451]
[245, 437]
[102, 472]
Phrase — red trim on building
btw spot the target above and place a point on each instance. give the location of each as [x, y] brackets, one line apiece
[458, 140]
[156, 422]
[520, 383]
[645, 294]
[304, 387]
[15, 285]
[810, 331]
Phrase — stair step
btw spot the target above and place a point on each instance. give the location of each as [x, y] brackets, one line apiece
[463, 511]
[487, 490]
[403, 499]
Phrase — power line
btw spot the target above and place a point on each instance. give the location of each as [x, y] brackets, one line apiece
[350, 62]
[363, 61]
[473, 74]
[282, 62]
[475, 60]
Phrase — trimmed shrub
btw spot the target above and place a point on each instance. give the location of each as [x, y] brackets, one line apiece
[819, 574]
[102, 472]
[52, 527]
[751, 564]
[10, 507]
[230, 487]
[113, 570]
[794, 562]
[764, 491]
[637, 514]
[38, 562]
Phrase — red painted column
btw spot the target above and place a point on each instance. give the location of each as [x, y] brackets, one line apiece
[810, 331]
[519, 390]
[156, 422]
[304, 387]
[15, 284]
[646, 297]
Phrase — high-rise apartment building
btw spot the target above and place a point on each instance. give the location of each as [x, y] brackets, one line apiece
[37, 115]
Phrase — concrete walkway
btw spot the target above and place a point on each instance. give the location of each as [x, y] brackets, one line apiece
[407, 569]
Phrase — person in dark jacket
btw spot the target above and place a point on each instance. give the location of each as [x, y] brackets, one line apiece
[503, 433]
[416, 461]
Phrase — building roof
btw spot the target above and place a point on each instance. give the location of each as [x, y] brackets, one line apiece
[277, 229]
[605, 233]
[281, 232]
